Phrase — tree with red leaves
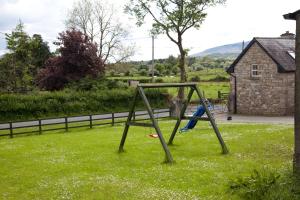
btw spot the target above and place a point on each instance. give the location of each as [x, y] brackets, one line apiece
[78, 59]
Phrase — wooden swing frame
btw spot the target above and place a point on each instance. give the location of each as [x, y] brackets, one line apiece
[193, 88]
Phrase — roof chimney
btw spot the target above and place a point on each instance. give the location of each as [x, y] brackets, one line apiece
[288, 35]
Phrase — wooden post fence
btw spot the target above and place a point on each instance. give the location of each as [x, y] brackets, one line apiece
[91, 121]
[66, 124]
[11, 130]
[40, 126]
[112, 119]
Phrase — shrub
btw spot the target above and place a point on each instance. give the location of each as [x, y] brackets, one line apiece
[199, 68]
[69, 102]
[159, 80]
[219, 78]
[127, 73]
[90, 84]
[112, 73]
[143, 72]
[115, 84]
[144, 80]
[77, 59]
[195, 79]
[265, 185]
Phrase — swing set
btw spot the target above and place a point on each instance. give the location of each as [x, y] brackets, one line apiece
[154, 124]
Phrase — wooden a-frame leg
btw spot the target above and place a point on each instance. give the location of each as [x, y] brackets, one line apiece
[130, 114]
[212, 122]
[182, 111]
[169, 158]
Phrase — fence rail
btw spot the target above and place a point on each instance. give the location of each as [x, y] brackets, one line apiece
[92, 120]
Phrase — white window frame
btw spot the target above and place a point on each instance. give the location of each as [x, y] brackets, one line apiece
[292, 54]
[255, 73]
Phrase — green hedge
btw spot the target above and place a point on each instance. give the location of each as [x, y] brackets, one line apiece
[140, 79]
[14, 107]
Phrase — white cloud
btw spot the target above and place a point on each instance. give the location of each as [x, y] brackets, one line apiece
[236, 21]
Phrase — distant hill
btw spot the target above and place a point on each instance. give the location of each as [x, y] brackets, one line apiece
[224, 51]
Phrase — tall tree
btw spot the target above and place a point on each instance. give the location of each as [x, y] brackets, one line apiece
[174, 18]
[78, 59]
[39, 53]
[26, 55]
[97, 19]
[7, 74]
[18, 45]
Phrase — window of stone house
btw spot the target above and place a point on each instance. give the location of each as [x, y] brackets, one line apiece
[255, 71]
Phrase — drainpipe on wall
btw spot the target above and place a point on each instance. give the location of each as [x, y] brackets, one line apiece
[235, 98]
[296, 16]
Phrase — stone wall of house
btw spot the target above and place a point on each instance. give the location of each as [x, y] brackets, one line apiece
[271, 94]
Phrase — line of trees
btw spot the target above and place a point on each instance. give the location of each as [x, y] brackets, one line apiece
[29, 62]
[166, 67]
[93, 38]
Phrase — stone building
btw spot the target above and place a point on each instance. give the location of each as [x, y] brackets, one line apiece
[262, 77]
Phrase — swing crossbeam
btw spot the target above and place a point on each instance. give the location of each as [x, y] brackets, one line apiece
[162, 85]
[140, 92]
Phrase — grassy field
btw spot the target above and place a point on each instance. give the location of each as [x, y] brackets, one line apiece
[204, 75]
[210, 89]
[84, 163]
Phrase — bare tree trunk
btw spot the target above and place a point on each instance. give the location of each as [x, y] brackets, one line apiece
[183, 76]
[297, 99]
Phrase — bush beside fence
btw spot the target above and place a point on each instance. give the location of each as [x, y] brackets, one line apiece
[14, 107]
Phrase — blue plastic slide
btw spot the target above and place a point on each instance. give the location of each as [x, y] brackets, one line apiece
[192, 123]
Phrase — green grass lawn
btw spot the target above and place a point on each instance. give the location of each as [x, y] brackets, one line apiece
[208, 74]
[84, 163]
[210, 89]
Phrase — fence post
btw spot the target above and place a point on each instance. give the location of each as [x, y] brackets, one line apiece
[11, 130]
[112, 119]
[66, 124]
[40, 126]
[91, 122]
[219, 94]
[133, 115]
[170, 112]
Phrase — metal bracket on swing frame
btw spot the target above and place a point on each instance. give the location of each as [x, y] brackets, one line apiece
[193, 87]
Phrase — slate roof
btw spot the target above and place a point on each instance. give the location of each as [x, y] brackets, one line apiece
[292, 15]
[277, 48]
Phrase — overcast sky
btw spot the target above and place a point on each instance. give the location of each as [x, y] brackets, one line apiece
[236, 21]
